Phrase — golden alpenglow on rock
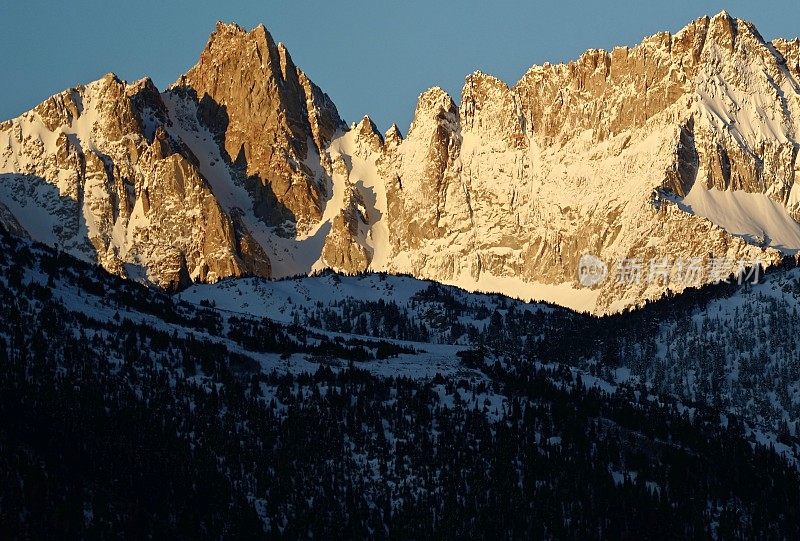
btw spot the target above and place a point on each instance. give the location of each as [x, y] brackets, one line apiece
[682, 147]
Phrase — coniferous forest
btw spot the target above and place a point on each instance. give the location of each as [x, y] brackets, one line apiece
[130, 413]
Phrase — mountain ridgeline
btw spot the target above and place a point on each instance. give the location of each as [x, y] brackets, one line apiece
[228, 314]
[684, 146]
[131, 412]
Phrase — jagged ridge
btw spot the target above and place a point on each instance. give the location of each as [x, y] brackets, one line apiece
[680, 147]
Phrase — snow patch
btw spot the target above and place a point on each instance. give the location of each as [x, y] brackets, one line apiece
[754, 217]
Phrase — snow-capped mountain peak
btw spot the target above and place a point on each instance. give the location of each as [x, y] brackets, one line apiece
[681, 147]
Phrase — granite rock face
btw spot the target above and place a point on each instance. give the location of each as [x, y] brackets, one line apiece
[681, 148]
[269, 118]
[95, 171]
[598, 156]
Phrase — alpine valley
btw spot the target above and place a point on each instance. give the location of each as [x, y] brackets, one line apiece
[225, 313]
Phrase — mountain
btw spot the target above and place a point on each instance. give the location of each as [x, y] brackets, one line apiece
[727, 347]
[683, 147]
[131, 412]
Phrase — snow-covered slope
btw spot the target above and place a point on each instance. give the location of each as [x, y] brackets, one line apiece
[682, 147]
[293, 300]
[243, 423]
[95, 171]
[737, 351]
[755, 216]
[729, 347]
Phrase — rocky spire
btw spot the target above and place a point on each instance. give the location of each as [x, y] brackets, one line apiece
[368, 133]
[790, 50]
[264, 111]
[434, 108]
[393, 136]
[489, 107]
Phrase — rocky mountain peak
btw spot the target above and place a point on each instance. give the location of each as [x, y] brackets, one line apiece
[435, 108]
[366, 131]
[731, 34]
[681, 146]
[790, 51]
[393, 136]
[723, 29]
[489, 106]
[222, 27]
[265, 112]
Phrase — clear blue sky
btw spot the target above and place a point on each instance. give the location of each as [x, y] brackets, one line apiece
[371, 57]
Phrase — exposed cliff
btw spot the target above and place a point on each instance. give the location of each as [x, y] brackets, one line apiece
[683, 147]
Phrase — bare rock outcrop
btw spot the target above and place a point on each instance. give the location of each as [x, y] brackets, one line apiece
[683, 147]
[269, 118]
